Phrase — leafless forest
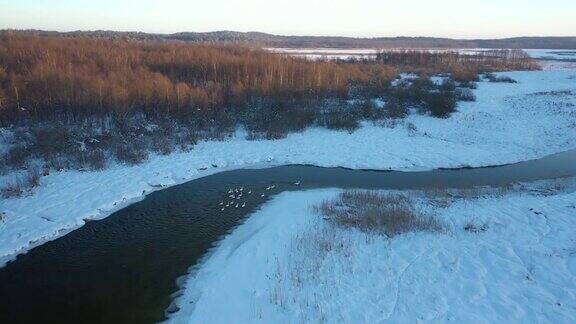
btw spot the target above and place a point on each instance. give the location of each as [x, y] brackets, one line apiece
[80, 102]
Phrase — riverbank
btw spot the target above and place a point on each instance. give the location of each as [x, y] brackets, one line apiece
[508, 123]
[503, 256]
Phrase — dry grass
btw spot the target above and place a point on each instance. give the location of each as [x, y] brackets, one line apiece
[325, 254]
[384, 213]
[304, 281]
[473, 227]
[443, 198]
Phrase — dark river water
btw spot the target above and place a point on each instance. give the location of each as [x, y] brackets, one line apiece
[123, 269]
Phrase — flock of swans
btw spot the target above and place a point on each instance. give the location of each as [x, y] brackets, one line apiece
[237, 194]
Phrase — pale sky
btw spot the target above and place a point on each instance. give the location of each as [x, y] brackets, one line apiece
[361, 18]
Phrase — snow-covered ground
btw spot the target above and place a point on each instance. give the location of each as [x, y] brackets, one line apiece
[508, 123]
[286, 264]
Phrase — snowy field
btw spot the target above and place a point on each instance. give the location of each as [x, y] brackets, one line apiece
[508, 123]
[502, 257]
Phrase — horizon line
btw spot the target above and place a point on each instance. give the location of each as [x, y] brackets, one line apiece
[280, 35]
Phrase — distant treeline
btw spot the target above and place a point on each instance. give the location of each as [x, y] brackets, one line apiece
[270, 40]
[464, 67]
[497, 59]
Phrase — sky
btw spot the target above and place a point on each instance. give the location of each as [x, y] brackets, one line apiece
[357, 18]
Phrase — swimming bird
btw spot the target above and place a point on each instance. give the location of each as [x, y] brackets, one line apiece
[262, 195]
[297, 183]
[243, 205]
[249, 192]
[221, 203]
[236, 206]
[222, 209]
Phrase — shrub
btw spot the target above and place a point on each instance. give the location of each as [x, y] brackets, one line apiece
[50, 141]
[20, 183]
[162, 144]
[448, 85]
[17, 157]
[368, 110]
[339, 119]
[396, 108]
[440, 104]
[494, 78]
[423, 83]
[131, 154]
[186, 139]
[464, 94]
[95, 160]
[468, 84]
[32, 179]
[12, 190]
[275, 118]
[465, 74]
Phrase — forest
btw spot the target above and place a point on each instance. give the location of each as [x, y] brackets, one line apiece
[81, 102]
[270, 40]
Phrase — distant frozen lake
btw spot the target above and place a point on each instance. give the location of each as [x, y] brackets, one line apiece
[552, 58]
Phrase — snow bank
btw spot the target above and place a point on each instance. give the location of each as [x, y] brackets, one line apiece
[519, 269]
[503, 126]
